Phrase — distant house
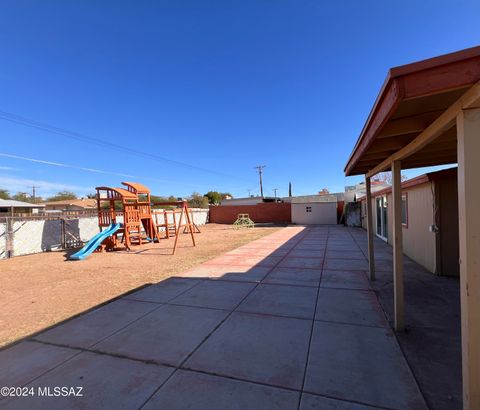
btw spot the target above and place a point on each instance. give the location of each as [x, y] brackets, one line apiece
[252, 200]
[10, 207]
[83, 204]
[429, 220]
[354, 192]
[315, 198]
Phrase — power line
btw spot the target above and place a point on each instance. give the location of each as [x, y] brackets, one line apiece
[92, 170]
[34, 187]
[259, 168]
[100, 142]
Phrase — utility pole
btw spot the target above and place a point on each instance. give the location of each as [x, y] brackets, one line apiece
[290, 189]
[259, 168]
[249, 192]
[34, 187]
[275, 192]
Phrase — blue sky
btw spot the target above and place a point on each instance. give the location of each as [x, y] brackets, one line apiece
[220, 86]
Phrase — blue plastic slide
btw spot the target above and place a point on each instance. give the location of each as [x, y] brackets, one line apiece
[95, 242]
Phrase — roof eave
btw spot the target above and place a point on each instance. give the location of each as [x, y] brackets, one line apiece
[395, 84]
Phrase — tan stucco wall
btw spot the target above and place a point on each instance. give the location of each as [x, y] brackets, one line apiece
[418, 241]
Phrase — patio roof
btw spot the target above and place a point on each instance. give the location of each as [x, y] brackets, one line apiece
[10, 203]
[414, 182]
[412, 98]
[84, 202]
[428, 113]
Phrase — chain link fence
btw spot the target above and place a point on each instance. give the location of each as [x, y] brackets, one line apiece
[35, 234]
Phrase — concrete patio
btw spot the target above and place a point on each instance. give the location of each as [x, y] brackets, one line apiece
[288, 321]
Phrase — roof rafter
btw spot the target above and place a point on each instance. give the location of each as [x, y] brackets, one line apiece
[434, 130]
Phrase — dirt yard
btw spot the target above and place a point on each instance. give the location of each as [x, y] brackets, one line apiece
[43, 289]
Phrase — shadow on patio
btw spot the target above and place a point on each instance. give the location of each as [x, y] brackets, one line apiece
[287, 321]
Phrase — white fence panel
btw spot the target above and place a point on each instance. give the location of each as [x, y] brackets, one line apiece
[42, 235]
[199, 216]
[36, 236]
[3, 240]
[88, 228]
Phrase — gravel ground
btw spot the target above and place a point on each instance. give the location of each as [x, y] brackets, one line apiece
[43, 289]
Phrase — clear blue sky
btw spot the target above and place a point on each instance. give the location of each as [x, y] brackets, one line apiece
[219, 85]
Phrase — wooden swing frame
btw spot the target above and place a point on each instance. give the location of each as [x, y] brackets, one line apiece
[189, 225]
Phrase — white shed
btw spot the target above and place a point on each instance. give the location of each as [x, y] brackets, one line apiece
[316, 210]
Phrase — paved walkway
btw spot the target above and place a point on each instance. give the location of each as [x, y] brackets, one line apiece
[288, 321]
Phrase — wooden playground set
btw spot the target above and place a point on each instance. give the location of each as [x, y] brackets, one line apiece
[126, 218]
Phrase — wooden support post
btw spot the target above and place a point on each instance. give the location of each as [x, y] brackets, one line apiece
[371, 253]
[185, 211]
[190, 225]
[468, 140]
[167, 227]
[177, 229]
[397, 247]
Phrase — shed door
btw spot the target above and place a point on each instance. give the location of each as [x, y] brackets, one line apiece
[317, 213]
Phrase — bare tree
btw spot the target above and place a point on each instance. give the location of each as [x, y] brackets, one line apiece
[386, 177]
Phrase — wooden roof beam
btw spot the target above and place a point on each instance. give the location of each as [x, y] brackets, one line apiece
[394, 143]
[409, 125]
[429, 163]
[434, 130]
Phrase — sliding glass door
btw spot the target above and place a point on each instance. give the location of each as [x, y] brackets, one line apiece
[381, 212]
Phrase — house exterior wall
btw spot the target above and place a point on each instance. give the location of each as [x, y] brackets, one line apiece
[17, 211]
[431, 203]
[66, 207]
[418, 242]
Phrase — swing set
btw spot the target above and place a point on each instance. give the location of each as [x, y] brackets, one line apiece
[131, 208]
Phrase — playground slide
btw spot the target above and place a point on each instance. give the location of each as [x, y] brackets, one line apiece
[95, 242]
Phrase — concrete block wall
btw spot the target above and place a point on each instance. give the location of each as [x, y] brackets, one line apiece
[266, 212]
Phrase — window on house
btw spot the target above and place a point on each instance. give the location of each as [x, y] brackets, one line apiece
[405, 210]
[308, 209]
